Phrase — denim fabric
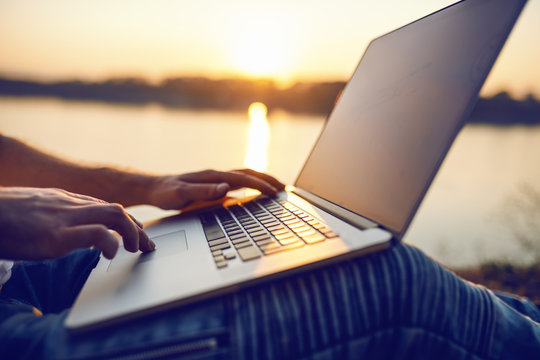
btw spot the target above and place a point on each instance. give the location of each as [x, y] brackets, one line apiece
[398, 303]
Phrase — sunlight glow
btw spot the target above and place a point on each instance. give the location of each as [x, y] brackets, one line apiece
[259, 55]
[286, 41]
[261, 45]
[258, 138]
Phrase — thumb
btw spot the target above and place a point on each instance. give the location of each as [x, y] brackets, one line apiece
[84, 236]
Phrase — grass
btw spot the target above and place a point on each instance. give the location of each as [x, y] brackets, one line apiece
[519, 280]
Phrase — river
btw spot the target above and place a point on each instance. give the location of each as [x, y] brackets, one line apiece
[484, 204]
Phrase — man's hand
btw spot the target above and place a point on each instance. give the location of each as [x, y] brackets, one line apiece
[48, 223]
[178, 191]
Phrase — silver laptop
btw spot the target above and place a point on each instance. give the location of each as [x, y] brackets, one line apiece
[357, 191]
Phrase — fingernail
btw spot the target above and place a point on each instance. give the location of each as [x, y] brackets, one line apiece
[223, 187]
[152, 244]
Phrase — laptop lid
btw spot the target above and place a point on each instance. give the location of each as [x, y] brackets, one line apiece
[397, 117]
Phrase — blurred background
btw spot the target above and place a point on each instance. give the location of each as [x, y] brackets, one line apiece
[173, 86]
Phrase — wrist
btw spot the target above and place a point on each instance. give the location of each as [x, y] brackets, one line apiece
[124, 187]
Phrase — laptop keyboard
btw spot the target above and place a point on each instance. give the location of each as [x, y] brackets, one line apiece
[262, 227]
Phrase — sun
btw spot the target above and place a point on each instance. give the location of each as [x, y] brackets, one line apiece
[259, 54]
[259, 48]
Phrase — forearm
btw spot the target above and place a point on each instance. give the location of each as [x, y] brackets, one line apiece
[22, 165]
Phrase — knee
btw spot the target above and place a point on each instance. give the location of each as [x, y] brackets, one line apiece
[404, 286]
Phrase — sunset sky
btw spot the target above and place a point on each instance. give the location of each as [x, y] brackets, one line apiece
[288, 40]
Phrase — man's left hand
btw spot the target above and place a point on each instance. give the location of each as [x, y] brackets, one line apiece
[178, 191]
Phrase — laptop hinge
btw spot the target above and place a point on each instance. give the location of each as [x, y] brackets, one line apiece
[336, 210]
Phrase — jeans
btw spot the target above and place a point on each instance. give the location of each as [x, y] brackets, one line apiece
[394, 304]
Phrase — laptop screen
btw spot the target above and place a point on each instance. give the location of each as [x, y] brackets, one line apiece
[402, 108]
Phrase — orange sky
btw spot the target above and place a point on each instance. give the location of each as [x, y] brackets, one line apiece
[286, 40]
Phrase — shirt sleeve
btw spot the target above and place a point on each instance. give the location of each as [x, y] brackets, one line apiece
[5, 271]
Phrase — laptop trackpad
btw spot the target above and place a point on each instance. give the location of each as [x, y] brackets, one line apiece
[166, 245]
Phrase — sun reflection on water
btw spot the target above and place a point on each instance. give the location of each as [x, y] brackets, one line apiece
[258, 138]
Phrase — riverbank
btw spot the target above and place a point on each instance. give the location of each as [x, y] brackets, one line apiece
[316, 98]
[519, 280]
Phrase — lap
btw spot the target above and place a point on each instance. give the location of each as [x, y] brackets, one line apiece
[399, 297]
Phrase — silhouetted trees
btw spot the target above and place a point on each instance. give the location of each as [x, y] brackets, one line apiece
[237, 94]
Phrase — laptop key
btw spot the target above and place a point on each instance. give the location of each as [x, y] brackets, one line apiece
[307, 232]
[280, 232]
[213, 235]
[220, 247]
[218, 241]
[289, 241]
[261, 237]
[270, 224]
[269, 246]
[284, 215]
[248, 253]
[286, 235]
[257, 233]
[219, 258]
[237, 236]
[314, 238]
[275, 228]
[270, 251]
[221, 264]
[248, 222]
[240, 240]
[297, 225]
[243, 245]
[330, 234]
[294, 245]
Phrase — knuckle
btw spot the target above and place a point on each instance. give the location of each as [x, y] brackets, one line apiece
[116, 210]
[99, 231]
[182, 188]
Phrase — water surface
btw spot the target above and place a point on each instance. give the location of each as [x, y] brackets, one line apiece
[482, 206]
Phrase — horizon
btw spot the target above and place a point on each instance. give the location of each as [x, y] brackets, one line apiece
[286, 42]
[262, 80]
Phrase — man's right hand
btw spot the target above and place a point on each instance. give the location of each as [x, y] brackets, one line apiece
[48, 223]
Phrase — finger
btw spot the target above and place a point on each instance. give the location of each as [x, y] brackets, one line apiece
[263, 176]
[234, 179]
[145, 244]
[139, 224]
[190, 192]
[83, 197]
[112, 216]
[85, 236]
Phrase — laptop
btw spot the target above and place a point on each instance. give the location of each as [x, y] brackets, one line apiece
[357, 192]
